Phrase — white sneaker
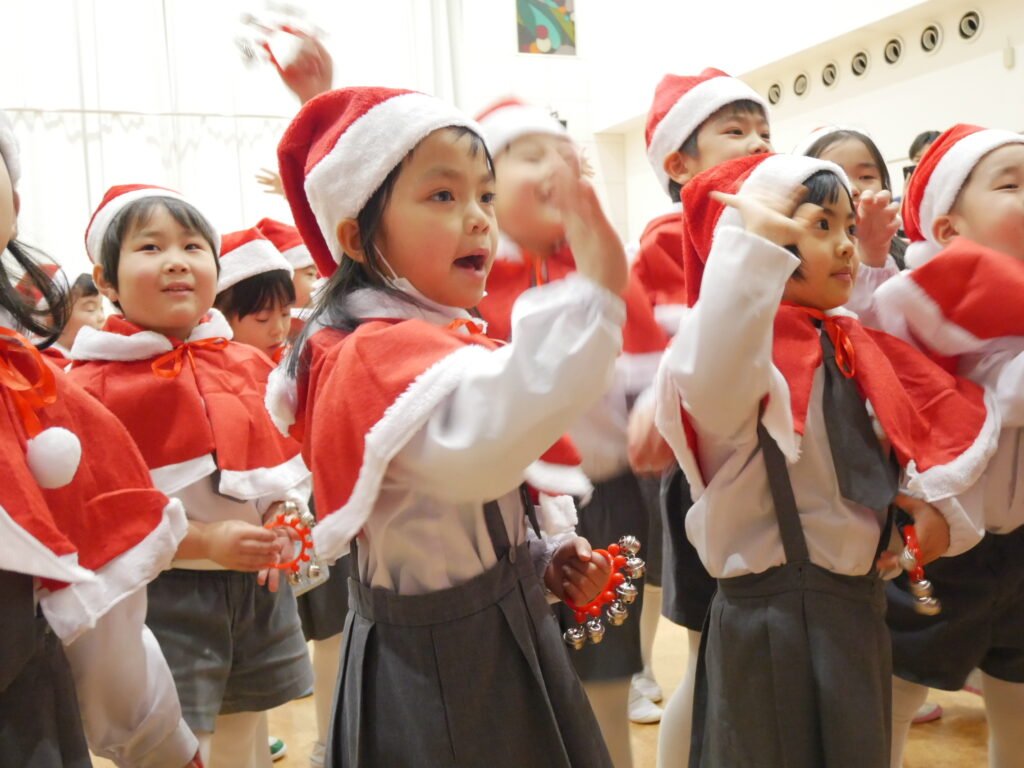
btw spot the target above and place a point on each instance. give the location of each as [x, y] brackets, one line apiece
[641, 709]
[647, 686]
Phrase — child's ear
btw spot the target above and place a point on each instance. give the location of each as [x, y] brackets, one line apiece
[945, 229]
[351, 242]
[109, 291]
[680, 167]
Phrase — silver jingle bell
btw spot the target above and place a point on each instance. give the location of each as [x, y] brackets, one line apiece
[294, 578]
[908, 561]
[575, 637]
[314, 570]
[626, 592]
[922, 588]
[635, 568]
[630, 545]
[928, 606]
[307, 519]
[617, 613]
[595, 630]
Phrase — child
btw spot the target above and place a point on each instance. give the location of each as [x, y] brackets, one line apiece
[695, 123]
[879, 249]
[235, 649]
[255, 292]
[961, 305]
[83, 531]
[527, 143]
[764, 406]
[86, 310]
[420, 431]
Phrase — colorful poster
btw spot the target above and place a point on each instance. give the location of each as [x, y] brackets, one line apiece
[546, 26]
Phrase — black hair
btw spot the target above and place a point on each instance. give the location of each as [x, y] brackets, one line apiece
[44, 319]
[138, 214]
[831, 139]
[256, 294]
[823, 188]
[921, 142]
[689, 145]
[83, 288]
[329, 308]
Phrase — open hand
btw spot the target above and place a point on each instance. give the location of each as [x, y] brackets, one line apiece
[271, 180]
[878, 221]
[312, 71]
[576, 573]
[775, 217]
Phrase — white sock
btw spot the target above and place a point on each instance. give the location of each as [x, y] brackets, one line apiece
[610, 701]
[326, 663]
[1004, 709]
[677, 719]
[907, 698]
[649, 617]
[240, 741]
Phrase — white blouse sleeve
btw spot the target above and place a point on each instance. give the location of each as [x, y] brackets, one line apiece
[515, 402]
[129, 704]
[1002, 373]
[720, 361]
[862, 298]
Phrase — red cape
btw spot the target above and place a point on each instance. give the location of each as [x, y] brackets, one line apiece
[659, 262]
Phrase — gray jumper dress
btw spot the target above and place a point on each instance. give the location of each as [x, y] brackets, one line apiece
[795, 663]
[472, 675]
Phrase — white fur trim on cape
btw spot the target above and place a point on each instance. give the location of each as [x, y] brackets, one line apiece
[556, 515]
[171, 478]
[340, 184]
[264, 481]
[77, 607]
[686, 115]
[91, 344]
[668, 316]
[248, 260]
[20, 552]
[559, 479]
[53, 457]
[508, 123]
[400, 422]
[281, 399]
[947, 180]
[637, 372]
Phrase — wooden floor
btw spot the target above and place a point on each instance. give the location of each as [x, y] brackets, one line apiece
[955, 741]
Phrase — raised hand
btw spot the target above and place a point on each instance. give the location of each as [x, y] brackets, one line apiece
[312, 70]
[271, 180]
[778, 218]
[878, 221]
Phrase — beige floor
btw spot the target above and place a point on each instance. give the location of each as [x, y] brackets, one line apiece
[955, 741]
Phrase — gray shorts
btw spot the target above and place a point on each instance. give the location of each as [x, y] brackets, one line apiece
[232, 645]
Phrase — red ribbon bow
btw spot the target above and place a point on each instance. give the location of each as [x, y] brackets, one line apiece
[846, 359]
[474, 327]
[168, 365]
[28, 378]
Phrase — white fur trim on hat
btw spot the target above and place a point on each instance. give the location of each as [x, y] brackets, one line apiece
[248, 260]
[508, 123]
[53, 457]
[299, 257]
[947, 180]
[686, 115]
[9, 150]
[780, 174]
[340, 184]
[105, 215]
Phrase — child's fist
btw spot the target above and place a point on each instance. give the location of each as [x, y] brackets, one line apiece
[576, 573]
[878, 221]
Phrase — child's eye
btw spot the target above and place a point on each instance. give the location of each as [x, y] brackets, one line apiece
[444, 196]
[149, 247]
[852, 230]
[487, 198]
[195, 246]
[1010, 187]
[767, 137]
[734, 131]
[822, 224]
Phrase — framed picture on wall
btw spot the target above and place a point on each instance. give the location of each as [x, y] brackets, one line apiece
[546, 27]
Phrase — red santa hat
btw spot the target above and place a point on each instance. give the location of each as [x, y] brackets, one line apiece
[341, 147]
[705, 216]
[116, 199]
[681, 103]
[509, 119]
[245, 254]
[9, 150]
[938, 179]
[288, 241]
